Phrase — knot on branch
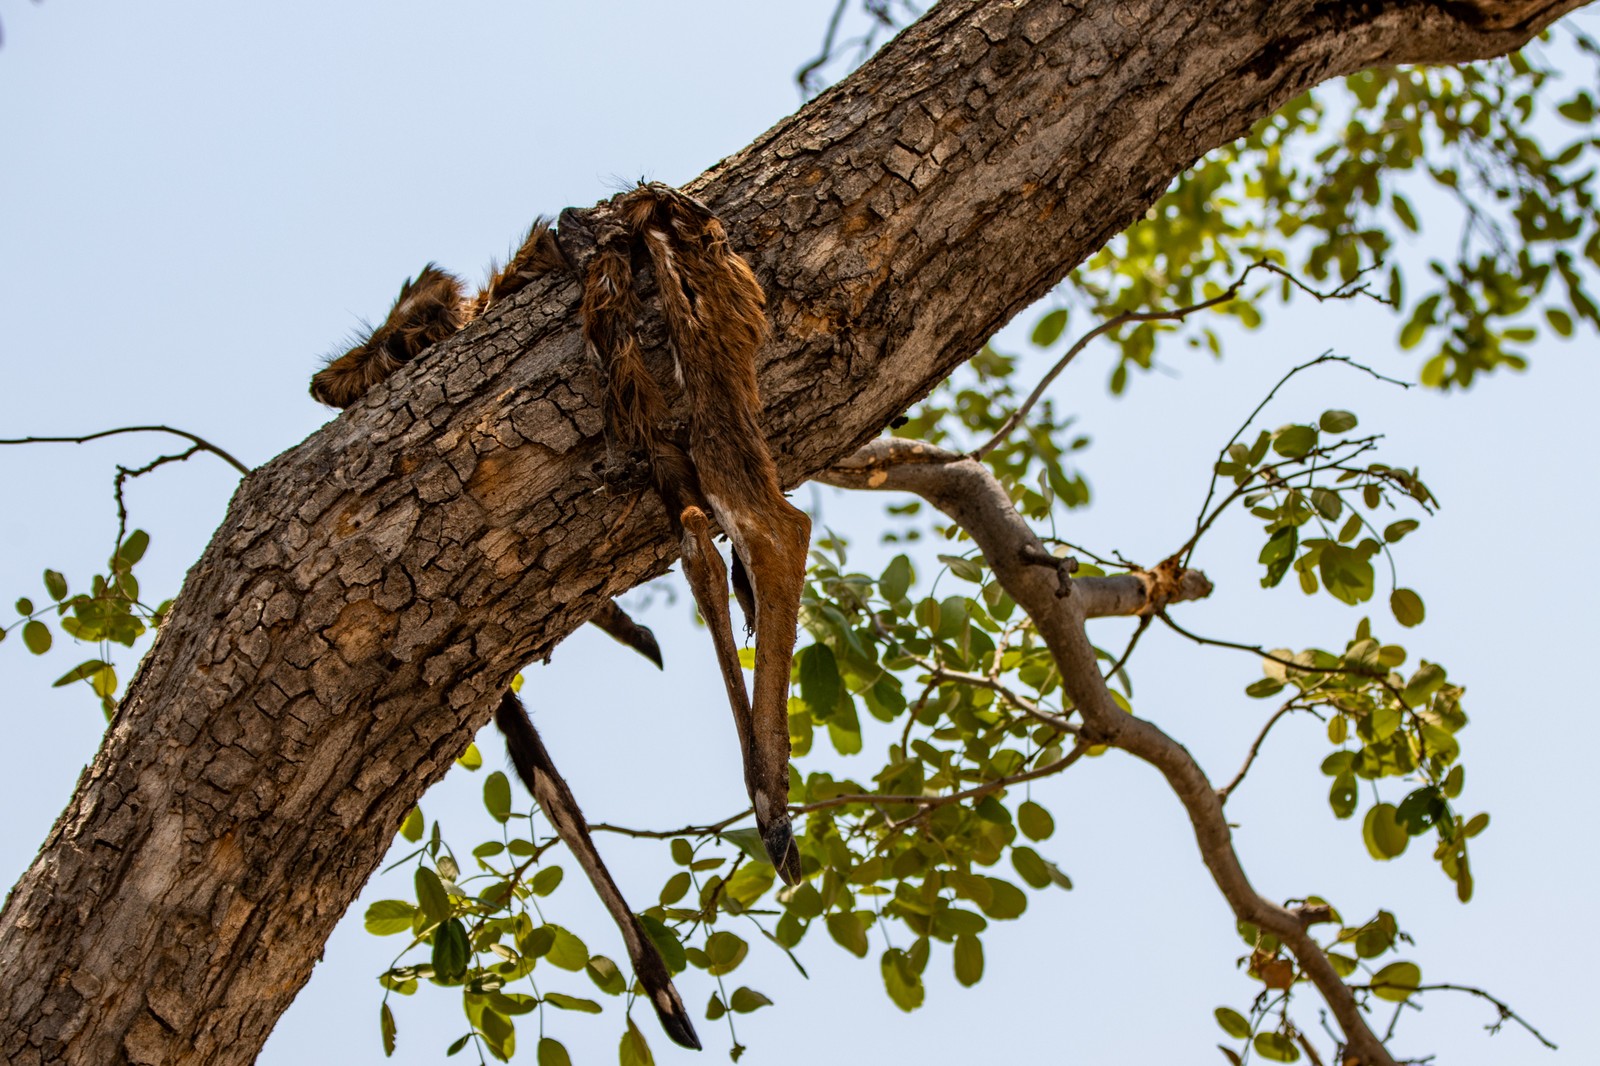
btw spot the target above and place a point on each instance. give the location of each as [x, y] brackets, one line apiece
[1170, 582]
[1064, 566]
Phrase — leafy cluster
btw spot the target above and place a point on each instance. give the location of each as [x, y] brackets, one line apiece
[1325, 187]
[109, 613]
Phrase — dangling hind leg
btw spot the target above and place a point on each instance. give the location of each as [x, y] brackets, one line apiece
[772, 548]
[533, 765]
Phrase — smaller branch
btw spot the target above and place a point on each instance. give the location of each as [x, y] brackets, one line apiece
[124, 475]
[802, 76]
[1506, 1013]
[1255, 749]
[1349, 290]
[1127, 653]
[1021, 703]
[1325, 357]
[998, 784]
[866, 798]
[199, 442]
[668, 834]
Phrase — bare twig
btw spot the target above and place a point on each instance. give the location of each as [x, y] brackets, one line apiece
[1026, 706]
[200, 442]
[1506, 1013]
[1255, 748]
[1349, 290]
[872, 799]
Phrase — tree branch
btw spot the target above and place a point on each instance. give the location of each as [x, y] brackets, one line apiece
[199, 442]
[371, 591]
[965, 491]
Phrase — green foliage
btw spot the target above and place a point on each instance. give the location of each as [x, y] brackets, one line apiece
[939, 695]
[110, 613]
[1326, 186]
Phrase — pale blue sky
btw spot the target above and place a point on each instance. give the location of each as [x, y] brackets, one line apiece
[196, 200]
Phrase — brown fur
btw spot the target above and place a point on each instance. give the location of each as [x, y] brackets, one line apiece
[713, 308]
[429, 309]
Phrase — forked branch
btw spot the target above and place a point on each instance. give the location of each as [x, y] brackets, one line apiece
[965, 490]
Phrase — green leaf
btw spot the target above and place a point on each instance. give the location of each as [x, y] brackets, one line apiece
[411, 828]
[545, 881]
[1395, 530]
[1049, 328]
[676, 888]
[389, 916]
[849, 932]
[585, 1006]
[1030, 866]
[666, 942]
[1294, 441]
[129, 551]
[969, 960]
[1397, 981]
[1385, 837]
[1407, 607]
[714, 1008]
[747, 841]
[896, 579]
[682, 851]
[552, 1053]
[36, 637]
[536, 943]
[55, 584]
[634, 1051]
[1034, 821]
[386, 1027]
[567, 952]
[451, 950]
[85, 669]
[431, 896]
[498, 1033]
[471, 759]
[497, 796]
[744, 1000]
[1337, 421]
[901, 980]
[1233, 1023]
[1275, 1047]
[1005, 901]
[605, 975]
[1267, 686]
[819, 680]
[1343, 796]
[726, 951]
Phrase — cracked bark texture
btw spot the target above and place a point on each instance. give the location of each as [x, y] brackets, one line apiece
[371, 590]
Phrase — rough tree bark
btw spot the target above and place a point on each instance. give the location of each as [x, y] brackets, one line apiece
[372, 589]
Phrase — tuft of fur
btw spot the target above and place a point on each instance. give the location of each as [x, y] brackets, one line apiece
[431, 307]
[428, 309]
[537, 255]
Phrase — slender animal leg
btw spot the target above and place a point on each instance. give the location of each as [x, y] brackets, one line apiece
[533, 765]
[713, 308]
[708, 581]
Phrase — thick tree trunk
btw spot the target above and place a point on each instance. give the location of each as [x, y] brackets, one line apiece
[372, 590]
